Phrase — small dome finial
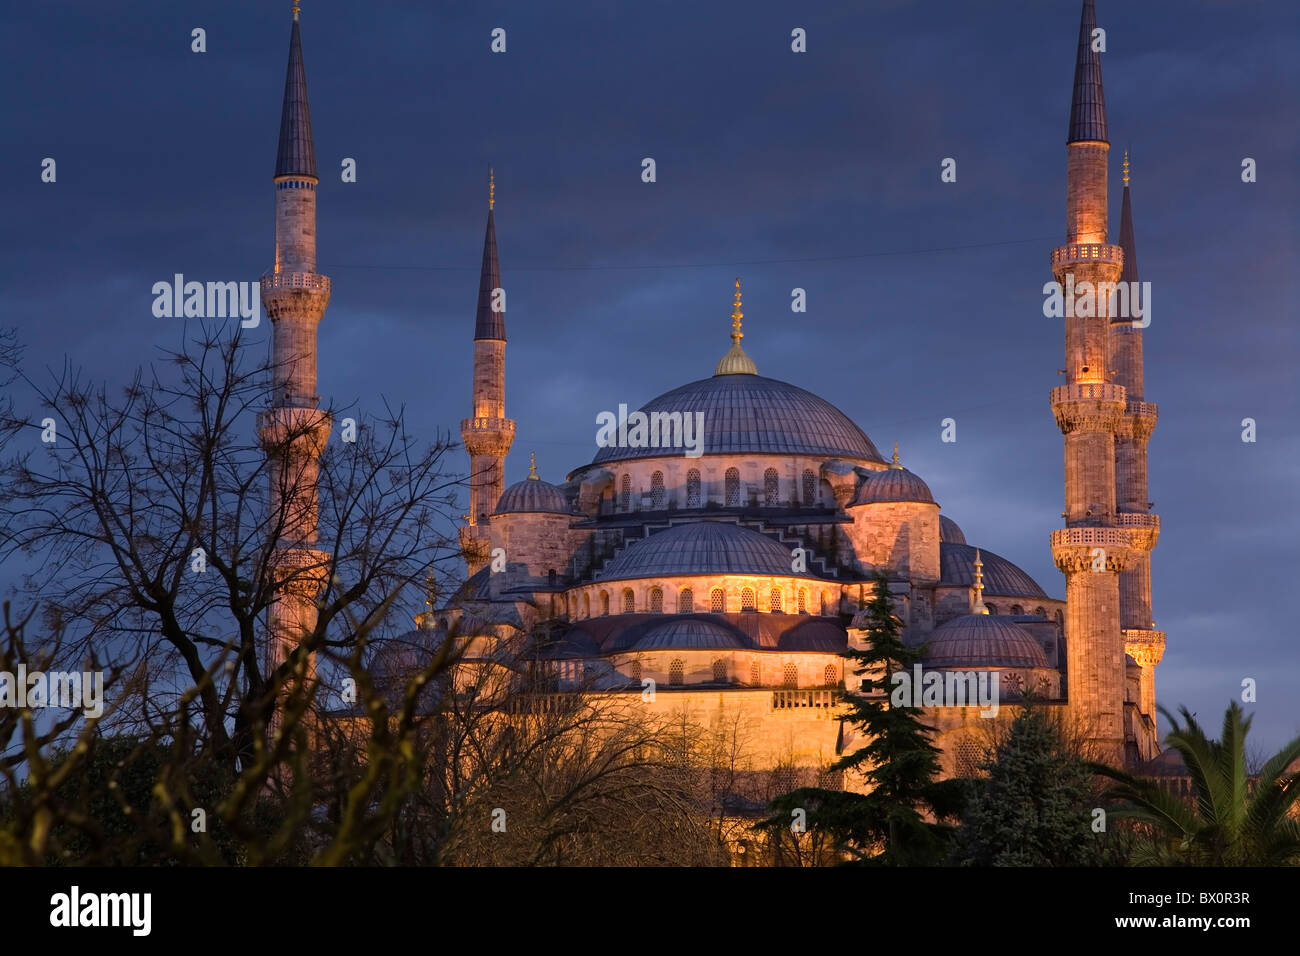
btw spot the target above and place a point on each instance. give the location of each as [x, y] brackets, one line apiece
[492, 188]
[532, 466]
[895, 465]
[979, 585]
[1126, 169]
[736, 362]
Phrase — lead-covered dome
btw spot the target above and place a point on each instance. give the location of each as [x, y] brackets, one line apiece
[708, 547]
[894, 484]
[689, 634]
[533, 495]
[750, 414]
[982, 640]
[1001, 577]
[950, 532]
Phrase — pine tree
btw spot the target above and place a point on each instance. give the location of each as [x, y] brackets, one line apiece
[1034, 808]
[888, 825]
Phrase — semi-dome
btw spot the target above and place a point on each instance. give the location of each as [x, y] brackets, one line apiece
[893, 484]
[748, 414]
[707, 547]
[533, 495]
[1001, 577]
[949, 532]
[983, 640]
[689, 634]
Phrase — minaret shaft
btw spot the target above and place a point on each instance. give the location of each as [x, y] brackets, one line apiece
[293, 430]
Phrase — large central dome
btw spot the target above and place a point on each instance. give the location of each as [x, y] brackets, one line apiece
[749, 414]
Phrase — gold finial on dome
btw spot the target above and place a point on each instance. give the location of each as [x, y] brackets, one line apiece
[492, 188]
[736, 362]
[979, 585]
[532, 466]
[895, 465]
[1126, 169]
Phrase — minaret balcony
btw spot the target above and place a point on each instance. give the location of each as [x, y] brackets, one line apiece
[487, 425]
[1080, 252]
[1146, 646]
[1092, 549]
[311, 281]
[1145, 528]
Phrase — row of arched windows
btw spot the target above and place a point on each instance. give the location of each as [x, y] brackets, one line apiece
[789, 673]
[1018, 609]
[686, 601]
[731, 489]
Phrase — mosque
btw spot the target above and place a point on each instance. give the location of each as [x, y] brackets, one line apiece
[733, 577]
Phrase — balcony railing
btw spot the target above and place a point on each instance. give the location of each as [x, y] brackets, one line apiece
[1088, 252]
[295, 280]
[1088, 392]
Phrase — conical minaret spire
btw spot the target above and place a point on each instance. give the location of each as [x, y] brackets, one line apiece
[488, 434]
[1088, 106]
[293, 430]
[1142, 641]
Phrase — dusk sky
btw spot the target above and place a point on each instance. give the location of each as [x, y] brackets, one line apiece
[818, 170]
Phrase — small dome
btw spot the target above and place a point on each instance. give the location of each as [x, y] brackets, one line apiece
[533, 495]
[707, 547]
[949, 533]
[983, 640]
[688, 634]
[1001, 577]
[896, 484]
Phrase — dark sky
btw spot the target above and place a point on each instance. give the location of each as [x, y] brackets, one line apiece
[816, 170]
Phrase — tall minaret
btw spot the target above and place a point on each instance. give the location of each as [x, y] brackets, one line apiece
[488, 435]
[1141, 641]
[294, 431]
[1092, 549]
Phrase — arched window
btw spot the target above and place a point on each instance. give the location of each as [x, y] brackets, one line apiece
[831, 675]
[803, 600]
[635, 670]
[604, 602]
[717, 600]
[771, 487]
[791, 675]
[809, 487]
[586, 605]
[656, 601]
[719, 670]
[1060, 619]
[658, 497]
[676, 671]
[732, 485]
[693, 488]
[629, 601]
[625, 494]
[747, 600]
[1017, 609]
[775, 605]
[1041, 611]
[686, 601]
[993, 608]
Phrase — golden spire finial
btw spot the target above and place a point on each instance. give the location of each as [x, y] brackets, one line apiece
[736, 316]
[736, 362]
[895, 464]
[979, 585]
[1126, 169]
[492, 188]
[532, 466]
[296, 8]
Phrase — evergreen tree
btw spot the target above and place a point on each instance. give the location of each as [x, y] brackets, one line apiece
[895, 822]
[1034, 808]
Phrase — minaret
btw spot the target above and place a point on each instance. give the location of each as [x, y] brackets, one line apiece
[488, 435]
[980, 607]
[1092, 549]
[1142, 641]
[293, 430]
